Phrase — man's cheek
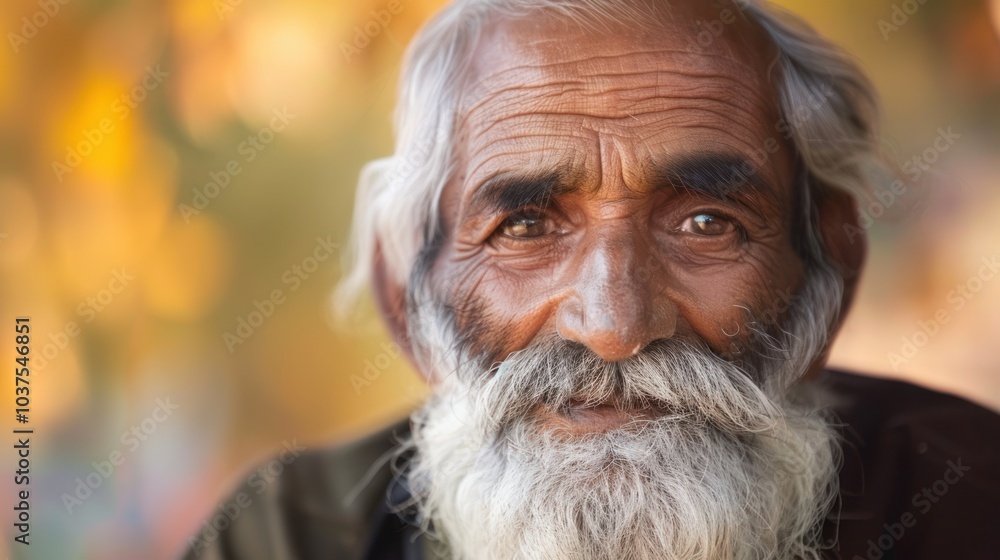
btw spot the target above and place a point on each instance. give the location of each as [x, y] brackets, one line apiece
[728, 332]
[728, 322]
[494, 333]
[755, 297]
[480, 328]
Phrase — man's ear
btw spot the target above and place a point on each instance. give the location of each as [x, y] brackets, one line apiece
[391, 300]
[846, 246]
[844, 239]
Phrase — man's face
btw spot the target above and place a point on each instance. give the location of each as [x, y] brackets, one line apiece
[619, 223]
[619, 190]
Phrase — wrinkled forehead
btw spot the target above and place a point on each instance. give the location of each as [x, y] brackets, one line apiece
[691, 52]
[546, 92]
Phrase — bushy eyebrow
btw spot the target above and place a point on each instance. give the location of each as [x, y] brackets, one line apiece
[509, 192]
[723, 177]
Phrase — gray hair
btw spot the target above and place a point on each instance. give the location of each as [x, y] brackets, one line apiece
[828, 107]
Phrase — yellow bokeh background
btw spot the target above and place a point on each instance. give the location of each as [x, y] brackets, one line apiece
[135, 250]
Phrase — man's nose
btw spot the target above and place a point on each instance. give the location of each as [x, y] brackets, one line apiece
[619, 304]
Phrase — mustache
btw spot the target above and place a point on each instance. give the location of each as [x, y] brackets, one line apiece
[683, 379]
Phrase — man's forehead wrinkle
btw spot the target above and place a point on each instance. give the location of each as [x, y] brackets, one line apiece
[595, 71]
[501, 160]
[663, 79]
[607, 96]
[634, 83]
[571, 147]
[549, 35]
[549, 153]
[538, 97]
[537, 130]
[679, 105]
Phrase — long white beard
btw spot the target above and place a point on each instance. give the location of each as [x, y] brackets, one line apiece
[734, 470]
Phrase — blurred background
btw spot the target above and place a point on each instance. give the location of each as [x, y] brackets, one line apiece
[176, 181]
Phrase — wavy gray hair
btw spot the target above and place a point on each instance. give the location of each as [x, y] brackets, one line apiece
[828, 107]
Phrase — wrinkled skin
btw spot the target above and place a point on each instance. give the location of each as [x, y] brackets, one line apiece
[568, 213]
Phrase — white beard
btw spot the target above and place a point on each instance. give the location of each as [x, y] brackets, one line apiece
[733, 470]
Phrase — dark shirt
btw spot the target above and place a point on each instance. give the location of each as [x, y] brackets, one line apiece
[920, 480]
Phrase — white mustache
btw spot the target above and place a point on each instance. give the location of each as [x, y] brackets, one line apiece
[686, 382]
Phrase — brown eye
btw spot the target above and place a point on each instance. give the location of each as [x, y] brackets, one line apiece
[707, 224]
[526, 225]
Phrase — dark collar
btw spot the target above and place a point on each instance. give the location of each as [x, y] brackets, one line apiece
[396, 534]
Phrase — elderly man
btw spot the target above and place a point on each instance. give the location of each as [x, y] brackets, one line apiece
[617, 238]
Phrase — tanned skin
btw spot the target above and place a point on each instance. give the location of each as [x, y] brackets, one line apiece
[594, 198]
